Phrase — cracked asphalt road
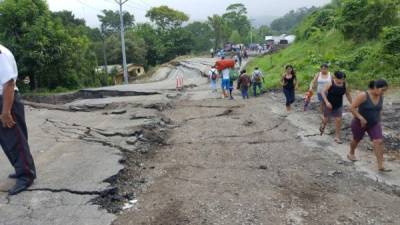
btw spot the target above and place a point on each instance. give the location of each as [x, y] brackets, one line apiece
[80, 145]
[245, 162]
[192, 158]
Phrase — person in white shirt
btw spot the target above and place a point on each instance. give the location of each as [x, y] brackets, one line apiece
[321, 79]
[225, 81]
[13, 130]
[213, 76]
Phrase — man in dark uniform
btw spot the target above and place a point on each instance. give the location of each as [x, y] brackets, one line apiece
[13, 130]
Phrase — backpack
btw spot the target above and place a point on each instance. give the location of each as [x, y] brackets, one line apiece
[246, 81]
[213, 75]
[257, 77]
[233, 75]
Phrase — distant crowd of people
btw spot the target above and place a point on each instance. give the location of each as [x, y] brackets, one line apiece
[331, 89]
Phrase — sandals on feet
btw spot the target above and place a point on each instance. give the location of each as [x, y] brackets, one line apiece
[352, 158]
[338, 141]
[322, 129]
[384, 170]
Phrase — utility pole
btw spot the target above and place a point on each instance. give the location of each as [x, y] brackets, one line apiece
[121, 17]
[251, 35]
[251, 30]
[103, 38]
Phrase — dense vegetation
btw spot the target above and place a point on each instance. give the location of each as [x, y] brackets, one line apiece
[234, 26]
[360, 37]
[288, 22]
[58, 51]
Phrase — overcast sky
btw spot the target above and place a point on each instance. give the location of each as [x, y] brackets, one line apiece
[196, 9]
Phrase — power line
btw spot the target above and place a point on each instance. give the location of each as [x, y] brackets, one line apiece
[144, 4]
[89, 6]
[110, 1]
[135, 7]
[128, 5]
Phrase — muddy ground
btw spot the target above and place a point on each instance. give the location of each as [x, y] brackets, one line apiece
[149, 155]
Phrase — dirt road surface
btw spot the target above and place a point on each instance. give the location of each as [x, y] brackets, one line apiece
[149, 155]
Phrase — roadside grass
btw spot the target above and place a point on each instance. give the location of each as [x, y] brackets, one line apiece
[361, 62]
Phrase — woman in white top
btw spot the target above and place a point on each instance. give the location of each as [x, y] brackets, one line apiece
[322, 79]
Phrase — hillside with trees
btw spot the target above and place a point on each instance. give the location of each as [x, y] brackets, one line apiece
[360, 37]
[287, 23]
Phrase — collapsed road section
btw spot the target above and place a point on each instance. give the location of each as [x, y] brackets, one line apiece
[89, 147]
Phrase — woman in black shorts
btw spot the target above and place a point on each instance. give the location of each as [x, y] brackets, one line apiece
[332, 96]
[289, 84]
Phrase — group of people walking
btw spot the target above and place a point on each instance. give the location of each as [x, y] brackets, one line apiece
[331, 89]
[244, 81]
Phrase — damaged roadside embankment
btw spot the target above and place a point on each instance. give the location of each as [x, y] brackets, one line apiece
[90, 120]
[132, 177]
[59, 99]
[165, 81]
[135, 144]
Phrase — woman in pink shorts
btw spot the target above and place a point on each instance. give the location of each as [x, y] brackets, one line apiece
[367, 108]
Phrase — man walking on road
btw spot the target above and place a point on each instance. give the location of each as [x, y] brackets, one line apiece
[257, 80]
[13, 130]
[244, 83]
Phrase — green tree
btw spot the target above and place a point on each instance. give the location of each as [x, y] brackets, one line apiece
[201, 35]
[220, 30]
[68, 18]
[76, 25]
[46, 51]
[260, 34]
[177, 42]
[235, 37]
[391, 40]
[135, 48]
[365, 19]
[289, 21]
[152, 41]
[173, 40]
[236, 18]
[110, 21]
[166, 18]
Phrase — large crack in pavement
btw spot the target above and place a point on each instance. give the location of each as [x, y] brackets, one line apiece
[75, 192]
[139, 141]
[134, 144]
